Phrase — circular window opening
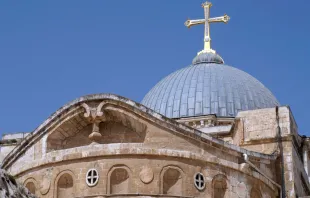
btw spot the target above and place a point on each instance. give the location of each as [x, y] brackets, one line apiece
[199, 181]
[92, 177]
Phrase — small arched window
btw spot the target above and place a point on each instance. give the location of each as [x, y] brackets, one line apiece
[172, 182]
[31, 187]
[65, 186]
[219, 185]
[119, 181]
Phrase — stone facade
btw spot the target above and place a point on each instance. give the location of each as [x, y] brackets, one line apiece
[136, 152]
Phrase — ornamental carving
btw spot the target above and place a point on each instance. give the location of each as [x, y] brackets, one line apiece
[95, 116]
[93, 113]
[146, 175]
[47, 177]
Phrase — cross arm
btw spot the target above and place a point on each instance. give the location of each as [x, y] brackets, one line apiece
[224, 19]
[190, 23]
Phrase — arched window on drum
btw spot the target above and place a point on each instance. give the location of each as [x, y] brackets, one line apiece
[31, 187]
[65, 186]
[219, 186]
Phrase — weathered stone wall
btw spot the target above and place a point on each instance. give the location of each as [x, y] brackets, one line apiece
[159, 157]
[256, 130]
[259, 130]
[8, 142]
[296, 179]
[4, 150]
[259, 124]
[145, 177]
[160, 149]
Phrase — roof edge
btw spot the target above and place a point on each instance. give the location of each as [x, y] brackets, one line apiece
[12, 157]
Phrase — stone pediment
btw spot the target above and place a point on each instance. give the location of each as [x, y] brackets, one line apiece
[114, 119]
[104, 125]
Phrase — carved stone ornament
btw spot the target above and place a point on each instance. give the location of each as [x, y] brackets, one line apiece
[146, 175]
[94, 114]
[46, 181]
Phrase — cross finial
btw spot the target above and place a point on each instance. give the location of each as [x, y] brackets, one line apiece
[207, 20]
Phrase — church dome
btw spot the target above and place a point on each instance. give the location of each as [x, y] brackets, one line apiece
[208, 86]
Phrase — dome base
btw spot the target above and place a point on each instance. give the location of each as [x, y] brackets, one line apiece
[206, 51]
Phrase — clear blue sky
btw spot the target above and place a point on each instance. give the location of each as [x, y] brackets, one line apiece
[52, 52]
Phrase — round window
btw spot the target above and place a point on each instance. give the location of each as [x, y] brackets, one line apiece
[199, 181]
[92, 177]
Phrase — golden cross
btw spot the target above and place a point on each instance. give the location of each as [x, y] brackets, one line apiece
[207, 20]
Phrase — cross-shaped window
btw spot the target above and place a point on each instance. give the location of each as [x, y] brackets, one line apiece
[199, 181]
[92, 177]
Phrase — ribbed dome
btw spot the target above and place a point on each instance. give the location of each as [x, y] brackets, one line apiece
[207, 87]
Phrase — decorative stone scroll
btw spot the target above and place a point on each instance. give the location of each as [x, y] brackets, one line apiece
[146, 175]
[46, 179]
[93, 113]
[95, 116]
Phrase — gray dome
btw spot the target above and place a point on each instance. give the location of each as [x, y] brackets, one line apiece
[208, 87]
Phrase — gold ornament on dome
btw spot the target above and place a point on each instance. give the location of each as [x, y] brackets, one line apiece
[207, 21]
